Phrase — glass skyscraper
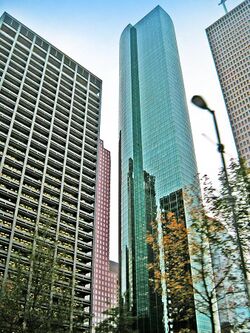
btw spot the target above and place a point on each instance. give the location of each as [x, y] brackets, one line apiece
[156, 157]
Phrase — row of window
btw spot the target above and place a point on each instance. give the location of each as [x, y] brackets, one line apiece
[26, 37]
[239, 13]
[47, 95]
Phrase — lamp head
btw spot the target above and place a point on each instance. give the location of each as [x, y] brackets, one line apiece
[199, 101]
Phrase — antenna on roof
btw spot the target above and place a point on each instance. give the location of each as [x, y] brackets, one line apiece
[222, 2]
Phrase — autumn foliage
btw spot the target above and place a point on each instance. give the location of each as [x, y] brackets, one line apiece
[171, 268]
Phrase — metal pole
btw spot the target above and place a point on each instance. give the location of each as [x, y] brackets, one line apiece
[232, 203]
[220, 147]
[224, 5]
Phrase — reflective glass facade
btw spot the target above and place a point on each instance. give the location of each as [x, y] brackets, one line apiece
[156, 151]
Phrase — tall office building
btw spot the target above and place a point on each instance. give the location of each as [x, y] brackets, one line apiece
[50, 111]
[157, 158]
[229, 43]
[105, 277]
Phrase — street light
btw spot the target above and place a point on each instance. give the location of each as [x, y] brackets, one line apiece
[200, 102]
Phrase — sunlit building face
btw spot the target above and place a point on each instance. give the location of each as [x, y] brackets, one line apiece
[49, 129]
[156, 154]
[229, 43]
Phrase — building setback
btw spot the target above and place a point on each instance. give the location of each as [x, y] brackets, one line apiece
[229, 43]
[157, 159]
[105, 273]
[49, 129]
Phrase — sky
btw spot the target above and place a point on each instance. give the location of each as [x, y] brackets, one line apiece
[89, 32]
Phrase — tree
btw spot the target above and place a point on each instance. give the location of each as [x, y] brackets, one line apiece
[216, 281]
[207, 239]
[12, 294]
[118, 320]
[171, 269]
[36, 297]
[213, 228]
[229, 206]
[232, 205]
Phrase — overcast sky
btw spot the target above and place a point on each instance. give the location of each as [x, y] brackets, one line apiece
[89, 32]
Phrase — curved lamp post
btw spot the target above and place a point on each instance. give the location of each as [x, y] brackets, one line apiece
[200, 102]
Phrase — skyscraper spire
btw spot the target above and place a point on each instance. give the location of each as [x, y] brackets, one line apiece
[224, 5]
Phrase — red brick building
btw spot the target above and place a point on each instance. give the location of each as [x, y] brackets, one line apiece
[105, 272]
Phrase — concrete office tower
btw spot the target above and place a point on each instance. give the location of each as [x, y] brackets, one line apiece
[156, 157]
[105, 276]
[229, 43]
[50, 111]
